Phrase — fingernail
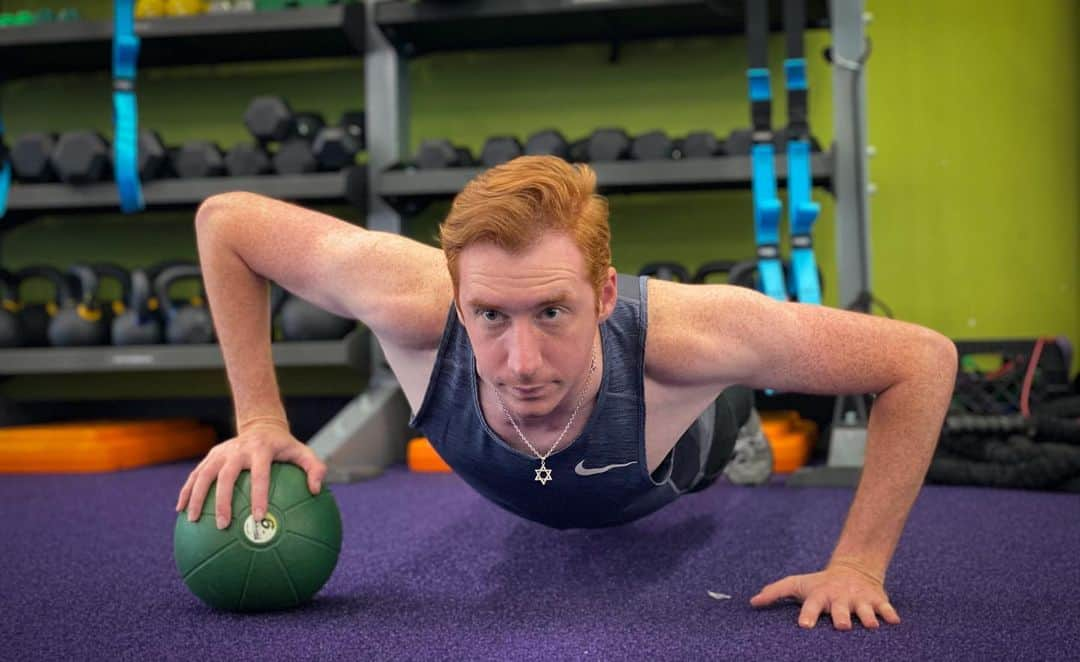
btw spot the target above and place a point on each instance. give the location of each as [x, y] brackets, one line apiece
[318, 486]
[222, 522]
[193, 517]
[257, 515]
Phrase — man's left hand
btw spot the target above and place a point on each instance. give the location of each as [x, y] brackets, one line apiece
[840, 590]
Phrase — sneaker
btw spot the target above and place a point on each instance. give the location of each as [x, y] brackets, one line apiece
[752, 459]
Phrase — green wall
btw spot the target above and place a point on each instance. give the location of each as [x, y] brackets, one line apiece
[975, 225]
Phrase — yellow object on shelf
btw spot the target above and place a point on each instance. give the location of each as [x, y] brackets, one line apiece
[186, 7]
[145, 9]
[99, 446]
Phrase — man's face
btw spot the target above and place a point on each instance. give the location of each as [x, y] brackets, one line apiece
[531, 318]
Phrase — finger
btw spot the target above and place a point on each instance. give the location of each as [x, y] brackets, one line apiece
[185, 490]
[866, 614]
[260, 485]
[888, 613]
[841, 615]
[811, 611]
[786, 587]
[226, 479]
[207, 475]
[305, 458]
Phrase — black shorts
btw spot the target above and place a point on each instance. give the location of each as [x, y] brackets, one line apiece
[705, 448]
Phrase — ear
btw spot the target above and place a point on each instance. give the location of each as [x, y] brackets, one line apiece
[609, 294]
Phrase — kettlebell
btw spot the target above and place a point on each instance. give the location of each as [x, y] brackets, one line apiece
[300, 319]
[34, 318]
[133, 322]
[666, 271]
[80, 320]
[722, 267]
[185, 324]
[10, 327]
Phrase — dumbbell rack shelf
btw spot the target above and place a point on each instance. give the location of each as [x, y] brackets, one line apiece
[348, 185]
[417, 28]
[350, 351]
[80, 46]
[731, 172]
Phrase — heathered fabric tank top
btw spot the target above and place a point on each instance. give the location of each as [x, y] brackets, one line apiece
[451, 418]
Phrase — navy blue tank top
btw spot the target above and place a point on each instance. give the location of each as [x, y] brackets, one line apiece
[577, 496]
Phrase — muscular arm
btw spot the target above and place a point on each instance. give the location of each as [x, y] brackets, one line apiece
[397, 287]
[725, 335]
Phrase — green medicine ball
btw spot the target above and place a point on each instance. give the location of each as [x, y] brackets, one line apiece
[274, 564]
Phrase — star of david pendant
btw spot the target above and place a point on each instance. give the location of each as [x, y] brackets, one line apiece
[543, 474]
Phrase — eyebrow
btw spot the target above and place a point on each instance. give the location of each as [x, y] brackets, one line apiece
[556, 299]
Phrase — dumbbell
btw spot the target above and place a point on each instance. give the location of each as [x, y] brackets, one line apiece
[336, 147]
[81, 157]
[701, 145]
[296, 154]
[34, 317]
[154, 161]
[548, 142]
[197, 159]
[269, 119]
[666, 271]
[30, 157]
[441, 154]
[246, 160]
[739, 142]
[184, 324]
[134, 322]
[10, 328]
[608, 145]
[300, 319]
[500, 149]
[79, 320]
[654, 146]
[722, 267]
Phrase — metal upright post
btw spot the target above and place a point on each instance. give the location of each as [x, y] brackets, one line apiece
[369, 433]
[851, 181]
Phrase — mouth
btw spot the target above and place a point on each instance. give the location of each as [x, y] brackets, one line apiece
[526, 392]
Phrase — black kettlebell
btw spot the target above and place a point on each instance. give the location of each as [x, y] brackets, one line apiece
[80, 321]
[34, 318]
[133, 322]
[300, 319]
[184, 324]
[666, 271]
[722, 267]
[10, 327]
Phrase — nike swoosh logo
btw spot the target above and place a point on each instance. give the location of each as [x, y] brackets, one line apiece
[582, 470]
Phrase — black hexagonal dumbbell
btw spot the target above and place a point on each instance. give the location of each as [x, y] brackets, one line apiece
[441, 154]
[269, 119]
[296, 154]
[29, 157]
[654, 146]
[500, 149]
[154, 162]
[608, 145]
[548, 142]
[81, 157]
[199, 158]
[701, 145]
[246, 160]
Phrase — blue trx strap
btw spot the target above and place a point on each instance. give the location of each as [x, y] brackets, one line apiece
[802, 210]
[766, 203]
[5, 172]
[125, 107]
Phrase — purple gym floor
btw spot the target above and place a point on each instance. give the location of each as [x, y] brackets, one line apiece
[431, 571]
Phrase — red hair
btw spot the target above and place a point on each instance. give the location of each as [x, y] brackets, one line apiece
[515, 204]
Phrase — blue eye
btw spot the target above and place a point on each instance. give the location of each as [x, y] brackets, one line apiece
[490, 315]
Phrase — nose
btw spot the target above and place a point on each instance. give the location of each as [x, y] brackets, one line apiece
[523, 357]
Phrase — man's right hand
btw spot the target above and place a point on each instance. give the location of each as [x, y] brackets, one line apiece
[255, 448]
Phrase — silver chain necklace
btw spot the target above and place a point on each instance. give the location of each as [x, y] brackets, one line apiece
[543, 474]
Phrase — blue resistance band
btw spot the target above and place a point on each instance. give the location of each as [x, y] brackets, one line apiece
[5, 173]
[802, 210]
[125, 108]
